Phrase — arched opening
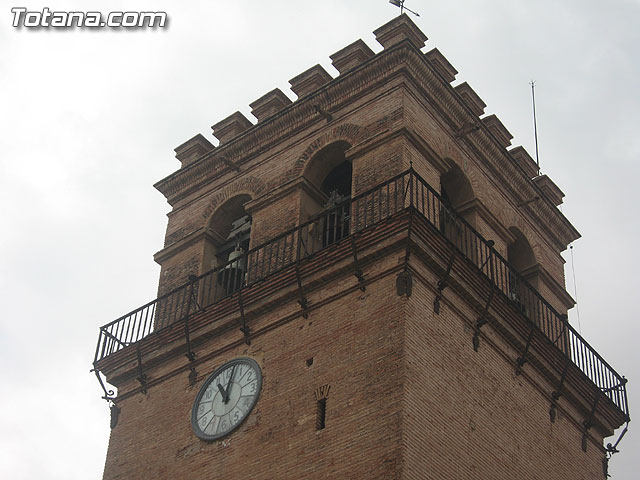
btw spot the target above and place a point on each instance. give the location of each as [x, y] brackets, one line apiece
[324, 171]
[456, 193]
[330, 173]
[338, 181]
[519, 253]
[230, 231]
[456, 188]
[522, 261]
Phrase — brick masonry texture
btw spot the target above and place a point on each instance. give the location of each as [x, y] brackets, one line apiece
[358, 354]
[409, 398]
[467, 415]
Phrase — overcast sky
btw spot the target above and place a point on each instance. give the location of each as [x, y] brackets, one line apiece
[89, 120]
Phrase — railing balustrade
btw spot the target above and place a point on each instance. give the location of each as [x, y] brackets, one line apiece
[403, 192]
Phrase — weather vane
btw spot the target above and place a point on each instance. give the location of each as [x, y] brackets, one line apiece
[400, 3]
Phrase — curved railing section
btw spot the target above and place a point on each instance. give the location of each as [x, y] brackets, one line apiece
[407, 191]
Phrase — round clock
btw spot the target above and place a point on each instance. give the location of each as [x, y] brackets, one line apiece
[226, 398]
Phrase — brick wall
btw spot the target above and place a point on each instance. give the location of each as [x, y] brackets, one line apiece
[467, 415]
[356, 346]
[409, 397]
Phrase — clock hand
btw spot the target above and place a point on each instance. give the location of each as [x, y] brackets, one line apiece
[233, 370]
[224, 394]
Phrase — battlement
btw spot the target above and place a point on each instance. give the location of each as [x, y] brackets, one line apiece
[306, 85]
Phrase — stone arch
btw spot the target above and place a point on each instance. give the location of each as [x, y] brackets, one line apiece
[522, 259]
[324, 162]
[251, 186]
[228, 235]
[457, 195]
[220, 222]
[455, 186]
[350, 133]
[520, 254]
[225, 207]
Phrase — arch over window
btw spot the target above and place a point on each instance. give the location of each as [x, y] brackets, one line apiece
[522, 259]
[230, 227]
[328, 169]
[519, 253]
[230, 231]
[330, 174]
[455, 187]
[456, 192]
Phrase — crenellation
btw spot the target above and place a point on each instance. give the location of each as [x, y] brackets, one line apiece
[550, 189]
[193, 149]
[524, 160]
[497, 128]
[269, 104]
[441, 64]
[309, 81]
[351, 56]
[471, 98]
[400, 29]
[231, 127]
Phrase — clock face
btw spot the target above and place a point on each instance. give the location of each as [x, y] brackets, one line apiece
[226, 398]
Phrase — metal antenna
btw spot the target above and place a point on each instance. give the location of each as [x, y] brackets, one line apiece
[535, 123]
[400, 3]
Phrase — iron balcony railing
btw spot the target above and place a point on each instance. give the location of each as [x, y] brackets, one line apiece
[407, 191]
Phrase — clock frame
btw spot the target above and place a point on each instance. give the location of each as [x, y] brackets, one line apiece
[226, 398]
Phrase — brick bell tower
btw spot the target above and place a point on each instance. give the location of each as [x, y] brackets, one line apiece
[364, 284]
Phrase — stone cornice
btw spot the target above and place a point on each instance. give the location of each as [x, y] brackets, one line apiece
[550, 189]
[552, 284]
[180, 245]
[557, 288]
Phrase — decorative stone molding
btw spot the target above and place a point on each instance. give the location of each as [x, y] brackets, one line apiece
[441, 64]
[231, 127]
[262, 136]
[471, 98]
[193, 149]
[309, 81]
[269, 104]
[524, 160]
[399, 29]
[351, 56]
[498, 130]
[180, 244]
[554, 287]
[550, 189]
[322, 392]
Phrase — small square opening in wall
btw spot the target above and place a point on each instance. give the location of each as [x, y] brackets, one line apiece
[309, 361]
